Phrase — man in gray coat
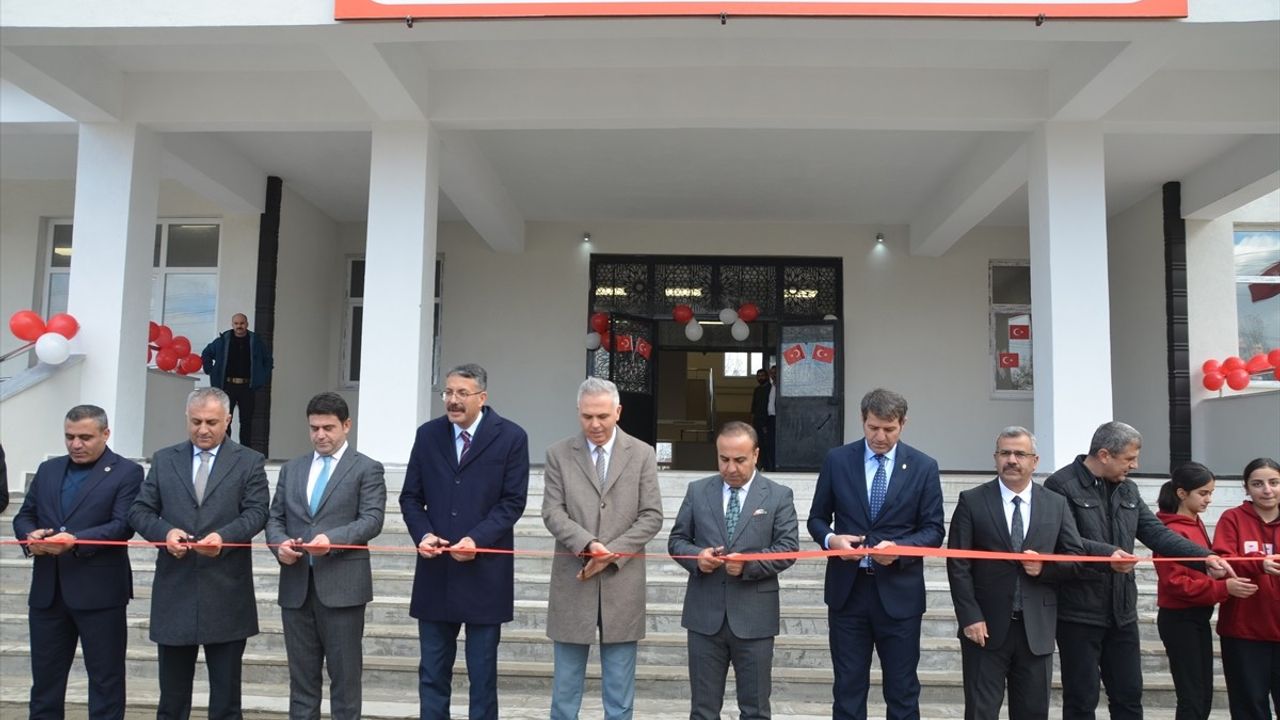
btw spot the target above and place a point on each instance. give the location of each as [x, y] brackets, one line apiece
[730, 605]
[198, 496]
[333, 496]
[600, 501]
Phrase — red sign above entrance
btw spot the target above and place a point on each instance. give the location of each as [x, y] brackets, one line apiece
[459, 9]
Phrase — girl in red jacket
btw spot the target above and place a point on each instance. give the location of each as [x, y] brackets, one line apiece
[1186, 597]
[1250, 627]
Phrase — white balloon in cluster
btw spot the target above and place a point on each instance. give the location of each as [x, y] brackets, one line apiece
[740, 331]
[53, 348]
[693, 331]
[728, 316]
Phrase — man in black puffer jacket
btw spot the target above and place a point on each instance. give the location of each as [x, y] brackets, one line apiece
[1098, 614]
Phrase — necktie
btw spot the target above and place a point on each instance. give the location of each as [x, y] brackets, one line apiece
[879, 487]
[602, 466]
[1015, 539]
[321, 480]
[732, 514]
[202, 475]
[466, 444]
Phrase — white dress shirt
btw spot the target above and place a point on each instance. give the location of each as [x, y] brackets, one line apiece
[608, 451]
[1006, 501]
[317, 464]
[457, 434]
[195, 459]
[742, 493]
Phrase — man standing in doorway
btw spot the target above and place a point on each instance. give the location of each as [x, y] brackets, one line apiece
[600, 501]
[465, 487]
[731, 606]
[1098, 613]
[239, 363]
[881, 493]
[760, 421]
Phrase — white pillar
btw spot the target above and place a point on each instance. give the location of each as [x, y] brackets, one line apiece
[117, 189]
[1070, 296]
[399, 296]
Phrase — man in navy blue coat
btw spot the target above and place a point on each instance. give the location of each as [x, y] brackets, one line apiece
[880, 493]
[465, 488]
[78, 591]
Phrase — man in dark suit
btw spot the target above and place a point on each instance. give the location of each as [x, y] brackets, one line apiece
[1008, 611]
[333, 496]
[79, 591]
[881, 493]
[761, 417]
[465, 487]
[197, 496]
[731, 606]
[239, 363]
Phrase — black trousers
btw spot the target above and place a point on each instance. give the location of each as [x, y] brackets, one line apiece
[1252, 668]
[102, 635]
[1087, 651]
[987, 670]
[857, 629]
[1188, 641]
[178, 670]
[242, 397]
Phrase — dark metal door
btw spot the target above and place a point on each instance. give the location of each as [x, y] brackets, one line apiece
[810, 400]
[630, 360]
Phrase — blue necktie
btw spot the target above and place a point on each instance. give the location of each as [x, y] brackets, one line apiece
[879, 488]
[321, 480]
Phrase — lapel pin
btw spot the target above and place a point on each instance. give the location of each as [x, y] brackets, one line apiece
[106, 469]
[904, 466]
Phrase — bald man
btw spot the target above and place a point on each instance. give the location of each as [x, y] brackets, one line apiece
[238, 362]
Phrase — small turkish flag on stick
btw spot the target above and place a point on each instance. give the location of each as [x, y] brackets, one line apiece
[793, 354]
[824, 353]
[1019, 332]
[1008, 360]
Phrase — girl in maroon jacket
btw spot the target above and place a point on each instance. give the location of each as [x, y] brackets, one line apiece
[1250, 627]
[1186, 597]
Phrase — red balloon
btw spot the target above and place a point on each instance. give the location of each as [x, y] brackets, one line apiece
[1273, 357]
[1238, 379]
[748, 312]
[682, 314]
[1210, 366]
[164, 336]
[1258, 363]
[181, 345]
[1232, 363]
[606, 341]
[191, 363]
[26, 325]
[166, 359]
[153, 331]
[1213, 381]
[63, 324]
[600, 322]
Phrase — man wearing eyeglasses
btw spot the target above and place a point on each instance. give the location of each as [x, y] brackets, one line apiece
[465, 488]
[1008, 611]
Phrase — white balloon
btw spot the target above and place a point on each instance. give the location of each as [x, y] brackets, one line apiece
[593, 341]
[53, 348]
[728, 316]
[740, 331]
[693, 331]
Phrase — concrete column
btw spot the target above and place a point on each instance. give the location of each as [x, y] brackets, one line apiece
[117, 189]
[399, 296]
[1070, 294]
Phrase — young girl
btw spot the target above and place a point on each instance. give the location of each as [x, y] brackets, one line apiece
[1250, 627]
[1186, 597]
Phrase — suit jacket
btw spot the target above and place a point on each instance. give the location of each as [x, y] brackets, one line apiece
[90, 577]
[481, 498]
[198, 600]
[350, 513]
[983, 590]
[911, 515]
[760, 404]
[624, 517]
[767, 523]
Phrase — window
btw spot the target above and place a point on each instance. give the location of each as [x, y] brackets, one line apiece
[743, 364]
[1010, 322]
[353, 325]
[1257, 271]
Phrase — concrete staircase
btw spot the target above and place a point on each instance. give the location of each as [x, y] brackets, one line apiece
[802, 678]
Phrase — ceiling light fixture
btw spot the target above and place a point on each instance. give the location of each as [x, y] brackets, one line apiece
[586, 237]
[880, 237]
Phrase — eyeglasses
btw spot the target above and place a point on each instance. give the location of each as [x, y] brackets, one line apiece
[459, 394]
[1016, 454]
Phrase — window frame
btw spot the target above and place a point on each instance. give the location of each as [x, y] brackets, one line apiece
[994, 310]
[1238, 280]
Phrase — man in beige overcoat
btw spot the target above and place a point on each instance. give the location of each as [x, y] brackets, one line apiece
[601, 502]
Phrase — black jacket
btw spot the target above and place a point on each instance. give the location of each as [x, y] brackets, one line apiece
[1101, 596]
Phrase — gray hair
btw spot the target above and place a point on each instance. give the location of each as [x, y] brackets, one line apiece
[599, 386]
[1017, 431]
[471, 371]
[884, 404]
[1115, 437]
[201, 396]
[88, 412]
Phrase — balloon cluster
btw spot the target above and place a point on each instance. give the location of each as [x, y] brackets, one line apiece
[1235, 372]
[600, 337]
[52, 339]
[171, 353]
[736, 320]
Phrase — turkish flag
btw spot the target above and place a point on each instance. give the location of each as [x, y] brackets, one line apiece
[1008, 360]
[643, 348]
[623, 343]
[824, 353]
[793, 354]
[1019, 332]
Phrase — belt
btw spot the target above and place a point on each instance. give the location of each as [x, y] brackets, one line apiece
[1016, 616]
[866, 570]
[238, 381]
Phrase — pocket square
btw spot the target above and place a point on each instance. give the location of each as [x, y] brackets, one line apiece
[759, 511]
